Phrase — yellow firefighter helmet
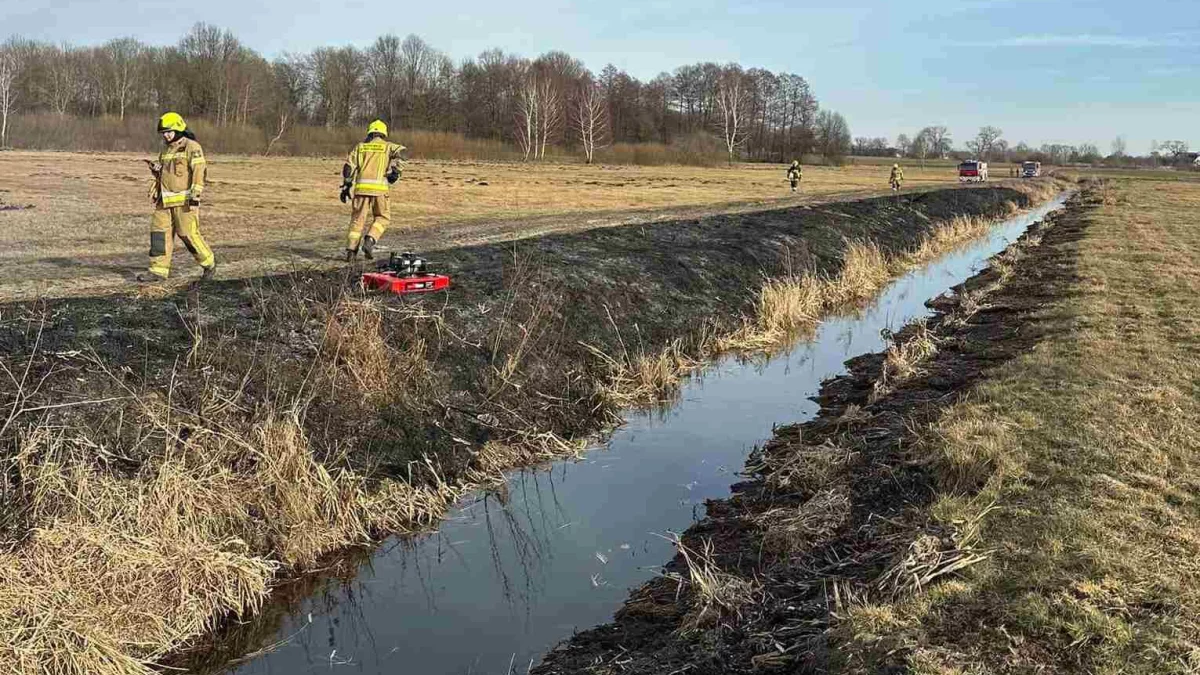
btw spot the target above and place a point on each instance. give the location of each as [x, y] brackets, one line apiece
[377, 127]
[171, 121]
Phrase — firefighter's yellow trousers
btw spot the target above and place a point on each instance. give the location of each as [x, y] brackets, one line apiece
[381, 212]
[165, 225]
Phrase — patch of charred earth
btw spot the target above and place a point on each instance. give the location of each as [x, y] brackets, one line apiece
[543, 301]
[784, 629]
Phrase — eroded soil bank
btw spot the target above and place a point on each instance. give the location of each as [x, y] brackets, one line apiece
[836, 511]
[513, 346]
[169, 456]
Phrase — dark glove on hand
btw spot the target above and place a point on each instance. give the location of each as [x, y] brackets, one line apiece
[392, 176]
[345, 195]
[194, 201]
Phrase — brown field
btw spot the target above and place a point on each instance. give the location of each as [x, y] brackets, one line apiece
[87, 232]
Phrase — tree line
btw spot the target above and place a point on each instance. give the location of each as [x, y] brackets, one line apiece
[550, 100]
[935, 142]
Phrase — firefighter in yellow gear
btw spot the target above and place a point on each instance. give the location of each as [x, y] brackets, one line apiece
[795, 174]
[178, 185]
[370, 169]
[897, 177]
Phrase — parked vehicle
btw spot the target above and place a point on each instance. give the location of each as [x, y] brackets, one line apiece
[1031, 169]
[972, 170]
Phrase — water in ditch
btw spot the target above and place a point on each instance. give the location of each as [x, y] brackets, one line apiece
[509, 575]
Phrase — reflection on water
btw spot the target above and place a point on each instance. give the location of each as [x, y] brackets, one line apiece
[510, 574]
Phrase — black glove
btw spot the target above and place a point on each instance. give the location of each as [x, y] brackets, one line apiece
[194, 202]
[345, 193]
[393, 176]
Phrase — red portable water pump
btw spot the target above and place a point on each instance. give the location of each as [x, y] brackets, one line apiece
[405, 273]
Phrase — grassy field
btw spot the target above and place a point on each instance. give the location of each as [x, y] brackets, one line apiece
[1086, 452]
[87, 232]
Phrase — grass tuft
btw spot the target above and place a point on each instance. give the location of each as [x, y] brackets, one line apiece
[714, 594]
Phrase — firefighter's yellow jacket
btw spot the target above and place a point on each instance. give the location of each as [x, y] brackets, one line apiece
[181, 172]
[369, 163]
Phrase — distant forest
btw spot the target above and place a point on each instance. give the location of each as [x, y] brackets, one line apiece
[549, 101]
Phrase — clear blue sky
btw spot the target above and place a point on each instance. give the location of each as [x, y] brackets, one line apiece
[1042, 70]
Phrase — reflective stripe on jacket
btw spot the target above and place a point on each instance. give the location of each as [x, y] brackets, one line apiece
[183, 171]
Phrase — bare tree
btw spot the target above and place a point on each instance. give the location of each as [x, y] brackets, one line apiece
[1118, 146]
[10, 69]
[1087, 152]
[1177, 150]
[122, 69]
[284, 114]
[833, 135]
[383, 71]
[732, 100]
[903, 145]
[986, 142]
[550, 112]
[591, 117]
[61, 82]
[936, 140]
[337, 78]
[418, 63]
[527, 117]
[921, 145]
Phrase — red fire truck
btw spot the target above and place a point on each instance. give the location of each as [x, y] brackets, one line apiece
[972, 170]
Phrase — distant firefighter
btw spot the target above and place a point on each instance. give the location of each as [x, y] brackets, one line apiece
[178, 183]
[897, 177]
[795, 174]
[371, 168]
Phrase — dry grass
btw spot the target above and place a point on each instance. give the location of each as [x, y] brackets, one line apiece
[934, 554]
[257, 227]
[865, 271]
[949, 235]
[121, 565]
[787, 531]
[120, 569]
[641, 379]
[50, 131]
[714, 595]
[802, 469]
[1075, 465]
[357, 353]
[793, 305]
[903, 358]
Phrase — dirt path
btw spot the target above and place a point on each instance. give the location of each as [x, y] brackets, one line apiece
[836, 514]
[271, 216]
[112, 272]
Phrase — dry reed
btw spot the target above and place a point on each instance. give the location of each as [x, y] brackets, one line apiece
[715, 594]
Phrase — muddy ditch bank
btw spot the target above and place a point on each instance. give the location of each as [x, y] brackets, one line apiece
[834, 510]
[557, 547]
[513, 346]
[199, 445]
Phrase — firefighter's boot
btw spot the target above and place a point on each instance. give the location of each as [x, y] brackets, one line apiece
[368, 247]
[209, 272]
